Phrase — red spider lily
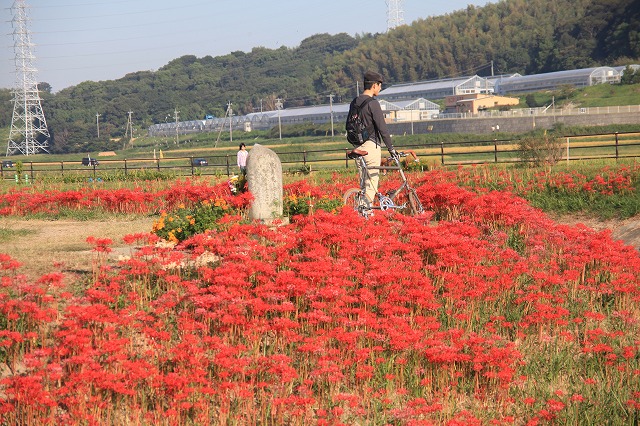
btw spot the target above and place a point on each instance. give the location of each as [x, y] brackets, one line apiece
[100, 245]
[331, 319]
[7, 263]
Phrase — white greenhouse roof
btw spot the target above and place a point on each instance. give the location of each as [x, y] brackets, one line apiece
[424, 86]
[558, 75]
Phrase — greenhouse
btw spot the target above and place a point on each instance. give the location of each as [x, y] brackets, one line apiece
[437, 89]
[550, 81]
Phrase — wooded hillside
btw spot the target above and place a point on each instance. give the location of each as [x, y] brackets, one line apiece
[525, 36]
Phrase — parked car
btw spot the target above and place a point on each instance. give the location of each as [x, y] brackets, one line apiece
[199, 162]
[88, 161]
[7, 164]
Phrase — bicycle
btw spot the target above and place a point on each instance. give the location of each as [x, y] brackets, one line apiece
[404, 198]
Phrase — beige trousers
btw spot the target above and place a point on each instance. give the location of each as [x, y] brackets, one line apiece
[372, 159]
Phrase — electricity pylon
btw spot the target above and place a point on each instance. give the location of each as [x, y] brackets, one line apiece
[395, 14]
[29, 133]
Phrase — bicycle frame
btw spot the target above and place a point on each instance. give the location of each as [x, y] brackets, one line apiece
[364, 205]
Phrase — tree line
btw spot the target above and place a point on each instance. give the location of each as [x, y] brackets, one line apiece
[524, 36]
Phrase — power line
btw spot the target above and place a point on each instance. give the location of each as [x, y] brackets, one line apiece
[51, 6]
[119, 27]
[110, 15]
[78, 43]
[110, 53]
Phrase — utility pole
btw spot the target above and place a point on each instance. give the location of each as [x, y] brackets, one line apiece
[129, 129]
[98, 124]
[227, 111]
[331, 111]
[230, 113]
[279, 107]
[175, 114]
[29, 133]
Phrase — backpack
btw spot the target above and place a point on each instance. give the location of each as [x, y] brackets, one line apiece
[357, 133]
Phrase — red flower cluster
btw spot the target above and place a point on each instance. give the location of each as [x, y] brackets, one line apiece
[608, 181]
[483, 311]
[28, 200]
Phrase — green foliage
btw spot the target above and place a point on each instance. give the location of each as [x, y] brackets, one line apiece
[8, 234]
[295, 205]
[238, 184]
[630, 76]
[540, 150]
[6, 107]
[614, 206]
[305, 169]
[19, 172]
[531, 101]
[300, 130]
[188, 221]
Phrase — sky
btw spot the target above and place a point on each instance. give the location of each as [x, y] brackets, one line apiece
[81, 40]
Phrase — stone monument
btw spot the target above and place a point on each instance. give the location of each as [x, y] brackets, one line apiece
[264, 179]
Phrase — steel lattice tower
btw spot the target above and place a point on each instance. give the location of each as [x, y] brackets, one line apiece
[29, 133]
[395, 14]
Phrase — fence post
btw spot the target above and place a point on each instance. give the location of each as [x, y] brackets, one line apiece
[304, 157]
[442, 153]
[62, 168]
[616, 146]
[567, 150]
[228, 167]
[125, 167]
[158, 164]
[346, 158]
[495, 150]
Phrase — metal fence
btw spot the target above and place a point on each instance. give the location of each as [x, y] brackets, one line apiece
[540, 111]
[579, 147]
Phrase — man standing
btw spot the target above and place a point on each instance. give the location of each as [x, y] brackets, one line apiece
[373, 119]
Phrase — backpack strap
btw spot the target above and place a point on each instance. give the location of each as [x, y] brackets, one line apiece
[365, 102]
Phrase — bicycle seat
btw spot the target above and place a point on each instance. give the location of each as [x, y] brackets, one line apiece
[355, 153]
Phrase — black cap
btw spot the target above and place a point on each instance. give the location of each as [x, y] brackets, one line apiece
[373, 76]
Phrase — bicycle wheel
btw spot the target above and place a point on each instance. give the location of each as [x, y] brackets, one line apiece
[358, 200]
[415, 206]
[408, 201]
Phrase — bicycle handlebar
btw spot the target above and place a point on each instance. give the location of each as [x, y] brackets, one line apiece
[400, 155]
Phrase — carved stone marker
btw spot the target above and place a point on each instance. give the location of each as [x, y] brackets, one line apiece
[264, 179]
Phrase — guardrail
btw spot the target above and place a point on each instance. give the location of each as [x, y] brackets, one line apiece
[579, 147]
[539, 111]
[616, 146]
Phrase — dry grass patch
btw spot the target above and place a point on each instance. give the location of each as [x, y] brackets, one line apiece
[45, 246]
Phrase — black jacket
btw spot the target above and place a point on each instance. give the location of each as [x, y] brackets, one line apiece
[374, 121]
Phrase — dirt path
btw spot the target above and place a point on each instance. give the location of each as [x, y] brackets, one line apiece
[47, 246]
[627, 230]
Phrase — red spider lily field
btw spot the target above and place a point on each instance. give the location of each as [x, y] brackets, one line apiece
[482, 311]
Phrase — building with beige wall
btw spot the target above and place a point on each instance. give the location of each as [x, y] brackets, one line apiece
[472, 103]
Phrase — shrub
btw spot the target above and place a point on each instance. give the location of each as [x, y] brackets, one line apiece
[542, 150]
[188, 221]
